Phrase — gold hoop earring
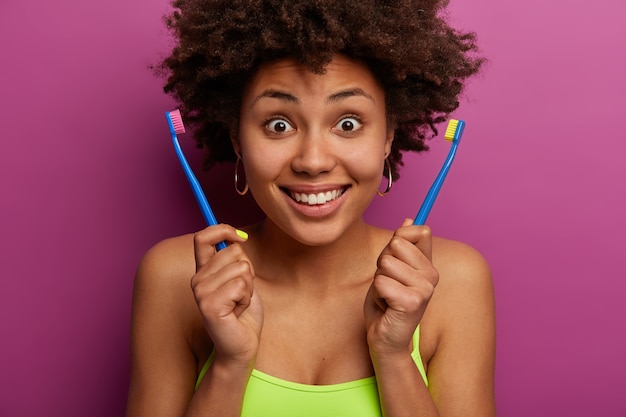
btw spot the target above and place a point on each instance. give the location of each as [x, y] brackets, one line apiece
[245, 188]
[389, 179]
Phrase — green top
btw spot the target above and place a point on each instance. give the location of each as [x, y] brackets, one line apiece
[270, 396]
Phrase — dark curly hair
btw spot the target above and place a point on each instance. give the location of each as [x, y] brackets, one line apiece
[420, 61]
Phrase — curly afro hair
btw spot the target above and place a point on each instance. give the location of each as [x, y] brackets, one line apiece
[420, 61]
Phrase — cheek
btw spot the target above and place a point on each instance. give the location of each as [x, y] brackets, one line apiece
[366, 166]
[261, 165]
[257, 160]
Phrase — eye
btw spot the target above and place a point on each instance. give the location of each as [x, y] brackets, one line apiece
[348, 124]
[279, 126]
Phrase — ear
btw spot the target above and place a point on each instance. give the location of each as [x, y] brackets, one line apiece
[236, 146]
[389, 141]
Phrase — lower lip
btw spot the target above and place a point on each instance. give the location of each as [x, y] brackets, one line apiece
[317, 210]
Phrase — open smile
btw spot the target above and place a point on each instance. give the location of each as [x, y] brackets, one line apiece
[315, 198]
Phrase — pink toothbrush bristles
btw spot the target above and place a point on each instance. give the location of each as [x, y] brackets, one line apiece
[177, 121]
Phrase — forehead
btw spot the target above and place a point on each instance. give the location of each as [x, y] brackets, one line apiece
[289, 76]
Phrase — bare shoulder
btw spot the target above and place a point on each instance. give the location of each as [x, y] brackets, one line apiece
[162, 282]
[465, 281]
[459, 332]
[464, 277]
[162, 294]
[167, 259]
[460, 266]
[463, 300]
[162, 330]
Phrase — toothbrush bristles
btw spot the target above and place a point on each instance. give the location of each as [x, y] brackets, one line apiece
[451, 130]
[177, 121]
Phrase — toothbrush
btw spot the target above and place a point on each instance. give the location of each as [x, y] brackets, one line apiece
[175, 122]
[453, 134]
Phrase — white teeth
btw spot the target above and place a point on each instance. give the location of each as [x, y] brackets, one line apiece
[314, 199]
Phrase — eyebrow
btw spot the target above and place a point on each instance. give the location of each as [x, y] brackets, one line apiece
[333, 98]
[281, 95]
[352, 92]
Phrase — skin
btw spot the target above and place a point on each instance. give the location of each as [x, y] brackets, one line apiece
[368, 287]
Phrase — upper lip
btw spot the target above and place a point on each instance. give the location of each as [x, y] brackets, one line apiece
[313, 189]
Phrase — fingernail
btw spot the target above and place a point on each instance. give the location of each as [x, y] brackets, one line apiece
[242, 234]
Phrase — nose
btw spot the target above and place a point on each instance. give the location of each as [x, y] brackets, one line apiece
[314, 155]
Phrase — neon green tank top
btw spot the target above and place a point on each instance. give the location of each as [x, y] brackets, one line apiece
[270, 396]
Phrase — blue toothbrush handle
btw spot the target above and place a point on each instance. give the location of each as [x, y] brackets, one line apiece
[430, 198]
[427, 205]
[205, 208]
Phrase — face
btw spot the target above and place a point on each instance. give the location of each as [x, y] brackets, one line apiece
[313, 146]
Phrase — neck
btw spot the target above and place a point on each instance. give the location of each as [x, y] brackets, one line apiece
[278, 257]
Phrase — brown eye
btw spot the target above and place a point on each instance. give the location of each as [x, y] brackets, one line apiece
[279, 126]
[348, 124]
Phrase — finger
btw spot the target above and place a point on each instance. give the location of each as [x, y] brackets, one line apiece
[235, 295]
[233, 253]
[407, 252]
[409, 300]
[207, 281]
[232, 295]
[406, 273]
[391, 266]
[420, 236]
[374, 296]
[206, 239]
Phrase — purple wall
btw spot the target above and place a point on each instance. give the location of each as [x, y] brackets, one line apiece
[88, 181]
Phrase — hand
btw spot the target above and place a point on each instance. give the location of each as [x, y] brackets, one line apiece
[223, 286]
[403, 285]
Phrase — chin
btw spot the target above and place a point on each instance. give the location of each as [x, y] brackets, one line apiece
[316, 235]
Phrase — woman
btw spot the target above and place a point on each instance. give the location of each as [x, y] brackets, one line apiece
[312, 311]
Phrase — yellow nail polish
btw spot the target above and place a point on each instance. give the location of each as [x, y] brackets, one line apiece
[242, 234]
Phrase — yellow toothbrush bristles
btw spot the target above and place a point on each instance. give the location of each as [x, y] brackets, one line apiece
[451, 130]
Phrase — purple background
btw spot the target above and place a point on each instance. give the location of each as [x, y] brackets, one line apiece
[89, 181]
